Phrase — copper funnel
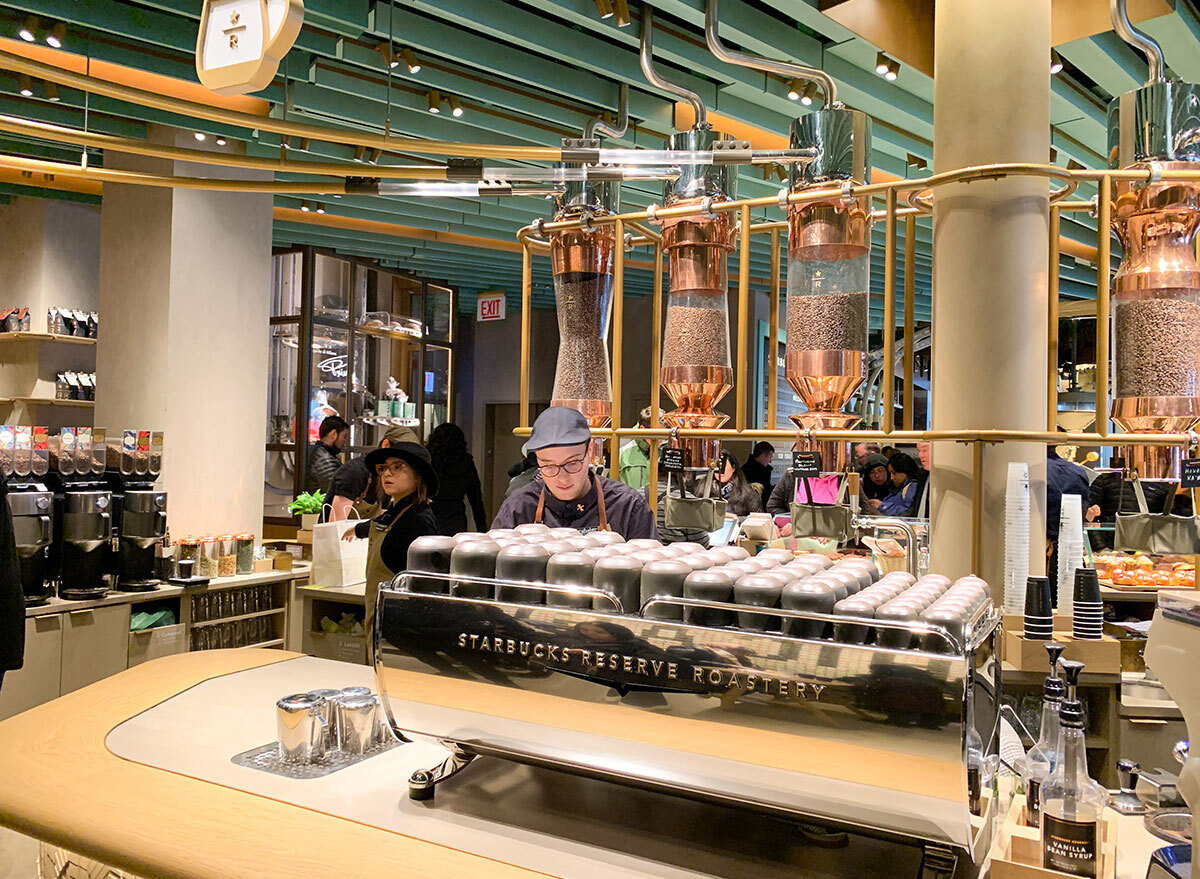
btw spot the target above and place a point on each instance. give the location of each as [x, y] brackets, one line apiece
[1155, 415]
[697, 453]
[834, 453]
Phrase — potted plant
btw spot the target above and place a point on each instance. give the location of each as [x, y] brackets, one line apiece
[308, 505]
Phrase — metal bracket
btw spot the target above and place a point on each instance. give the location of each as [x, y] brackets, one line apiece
[585, 222]
[422, 784]
[937, 862]
[784, 192]
[1094, 209]
[651, 211]
[539, 226]
[706, 207]
[847, 192]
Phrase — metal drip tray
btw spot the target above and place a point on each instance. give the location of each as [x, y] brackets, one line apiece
[1171, 825]
[265, 758]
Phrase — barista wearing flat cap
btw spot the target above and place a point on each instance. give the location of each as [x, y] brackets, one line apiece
[567, 494]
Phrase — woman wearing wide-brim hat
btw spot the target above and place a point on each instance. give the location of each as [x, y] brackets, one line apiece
[407, 483]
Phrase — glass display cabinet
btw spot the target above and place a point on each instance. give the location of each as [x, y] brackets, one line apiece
[350, 338]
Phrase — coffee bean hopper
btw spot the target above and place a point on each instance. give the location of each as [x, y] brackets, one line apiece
[851, 736]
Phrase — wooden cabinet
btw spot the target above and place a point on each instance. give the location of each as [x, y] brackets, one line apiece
[95, 645]
[37, 681]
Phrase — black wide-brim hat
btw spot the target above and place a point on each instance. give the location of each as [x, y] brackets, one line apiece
[415, 456]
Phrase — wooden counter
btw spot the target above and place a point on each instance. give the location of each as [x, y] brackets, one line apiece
[61, 784]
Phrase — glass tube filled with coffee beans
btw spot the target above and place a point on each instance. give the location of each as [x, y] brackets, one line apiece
[1156, 290]
[582, 262]
[697, 370]
[828, 276]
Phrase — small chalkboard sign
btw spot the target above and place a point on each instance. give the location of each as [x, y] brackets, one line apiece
[806, 464]
[672, 460]
[1189, 476]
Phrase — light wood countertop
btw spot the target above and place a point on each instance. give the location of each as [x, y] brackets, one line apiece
[62, 785]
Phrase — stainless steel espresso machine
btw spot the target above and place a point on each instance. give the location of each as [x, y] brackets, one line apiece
[24, 461]
[139, 511]
[84, 521]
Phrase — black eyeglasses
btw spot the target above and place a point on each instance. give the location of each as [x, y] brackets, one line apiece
[572, 467]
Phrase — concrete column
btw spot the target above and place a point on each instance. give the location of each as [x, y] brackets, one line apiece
[991, 104]
[185, 281]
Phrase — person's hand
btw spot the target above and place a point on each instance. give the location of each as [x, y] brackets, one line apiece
[874, 503]
[349, 535]
[1093, 513]
[785, 530]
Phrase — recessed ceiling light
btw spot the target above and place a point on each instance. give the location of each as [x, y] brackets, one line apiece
[220, 141]
[200, 136]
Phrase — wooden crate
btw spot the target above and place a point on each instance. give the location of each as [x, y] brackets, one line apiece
[1017, 852]
[1101, 657]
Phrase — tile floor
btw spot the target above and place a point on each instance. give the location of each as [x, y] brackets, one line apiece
[18, 856]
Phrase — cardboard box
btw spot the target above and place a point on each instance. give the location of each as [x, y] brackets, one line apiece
[1017, 853]
[283, 561]
[1101, 657]
[261, 566]
[342, 648]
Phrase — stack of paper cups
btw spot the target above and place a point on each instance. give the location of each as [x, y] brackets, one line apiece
[1016, 537]
[1070, 550]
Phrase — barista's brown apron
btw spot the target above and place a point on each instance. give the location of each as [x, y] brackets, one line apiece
[537, 516]
[377, 572]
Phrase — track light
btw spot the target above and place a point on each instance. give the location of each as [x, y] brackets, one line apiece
[893, 70]
[56, 35]
[286, 142]
[320, 208]
[881, 63]
[200, 136]
[305, 206]
[795, 89]
[435, 101]
[1055, 62]
[305, 143]
[220, 141]
[25, 85]
[360, 153]
[389, 57]
[456, 108]
[374, 156]
[28, 175]
[28, 31]
[915, 162]
[810, 92]
[1053, 155]
[51, 91]
[605, 8]
[622, 9]
[410, 60]
[1072, 165]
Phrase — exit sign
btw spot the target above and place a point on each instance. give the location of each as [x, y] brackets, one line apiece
[490, 306]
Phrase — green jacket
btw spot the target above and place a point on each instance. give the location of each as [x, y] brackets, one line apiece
[635, 466]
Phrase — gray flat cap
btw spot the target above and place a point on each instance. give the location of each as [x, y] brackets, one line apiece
[558, 426]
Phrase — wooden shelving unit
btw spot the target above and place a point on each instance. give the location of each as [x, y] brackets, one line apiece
[46, 337]
[48, 401]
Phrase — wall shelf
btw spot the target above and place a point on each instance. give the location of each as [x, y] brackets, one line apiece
[46, 337]
[47, 401]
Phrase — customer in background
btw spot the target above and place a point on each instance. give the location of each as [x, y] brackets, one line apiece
[521, 474]
[904, 473]
[635, 457]
[667, 482]
[758, 469]
[1112, 492]
[323, 455]
[862, 451]
[354, 486]
[12, 598]
[740, 497]
[875, 485]
[1062, 477]
[458, 478]
[407, 481]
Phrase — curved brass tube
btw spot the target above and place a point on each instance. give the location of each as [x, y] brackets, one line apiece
[924, 203]
[138, 147]
[18, 64]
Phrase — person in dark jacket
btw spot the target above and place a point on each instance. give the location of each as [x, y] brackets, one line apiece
[407, 480]
[1111, 493]
[323, 460]
[904, 472]
[782, 496]
[568, 494]
[521, 474]
[1062, 477]
[875, 484]
[758, 469]
[457, 478]
[354, 486]
[740, 498]
[12, 598]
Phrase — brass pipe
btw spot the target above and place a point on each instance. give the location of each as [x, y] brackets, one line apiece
[108, 175]
[526, 329]
[614, 444]
[743, 333]
[1103, 328]
[773, 332]
[646, 232]
[656, 331]
[910, 436]
[1073, 207]
[888, 382]
[139, 147]
[38, 70]
[1052, 328]
[976, 506]
[910, 305]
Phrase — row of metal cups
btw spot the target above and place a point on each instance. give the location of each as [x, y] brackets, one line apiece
[311, 727]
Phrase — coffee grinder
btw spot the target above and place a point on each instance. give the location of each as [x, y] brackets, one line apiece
[24, 461]
[82, 555]
[139, 511]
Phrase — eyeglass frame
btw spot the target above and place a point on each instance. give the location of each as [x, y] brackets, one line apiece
[393, 465]
[572, 467]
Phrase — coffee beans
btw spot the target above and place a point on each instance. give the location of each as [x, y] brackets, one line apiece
[696, 335]
[1158, 348]
[583, 300]
[827, 322]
